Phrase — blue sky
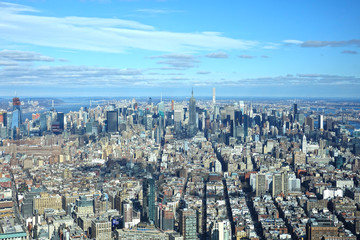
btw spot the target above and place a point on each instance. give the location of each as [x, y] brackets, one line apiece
[148, 47]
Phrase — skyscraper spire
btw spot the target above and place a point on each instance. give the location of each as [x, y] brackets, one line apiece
[192, 92]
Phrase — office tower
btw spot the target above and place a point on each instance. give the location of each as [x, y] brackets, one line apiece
[127, 212]
[3, 118]
[148, 122]
[279, 184]
[43, 122]
[112, 121]
[294, 183]
[321, 122]
[161, 109]
[187, 224]
[167, 219]
[246, 125]
[101, 229]
[295, 109]
[242, 107]
[192, 116]
[238, 118]
[304, 144]
[118, 202]
[84, 206]
[16, 103]
[16, 115]
[60, 119]
[151, 200]
[310, 122]
[261, 186]
[221, 230]
[213, 99]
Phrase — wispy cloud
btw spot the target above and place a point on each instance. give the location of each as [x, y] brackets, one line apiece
[349, 52]
[354, 42]
[68, 75]
[26, 56]
[203, 72]
[289, 80]
[271, 45]
[177, 61]
[157, 11]
[317, 44]
[104, 34]
[80, 76]
[217, 55]
[246, 56]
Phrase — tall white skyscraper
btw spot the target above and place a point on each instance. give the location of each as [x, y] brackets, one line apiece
[304, 144]
[214, 101]
[321, 122]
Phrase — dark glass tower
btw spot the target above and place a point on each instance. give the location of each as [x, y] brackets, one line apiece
[60, 119]
[151, 200]
[192, 116]
[112, 121]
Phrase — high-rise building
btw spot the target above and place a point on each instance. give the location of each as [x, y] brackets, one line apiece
[167, 219]
[3, 118]
[16, 116]
[112, 121]
[261, 186]
[187, 224]
[192, 116]
[221, 230]
[321, 122]
[320, 228]
[101, 229]
[304, 145]
[127, 212]
[213, 97]
[295, 109]
[151, 200]
[60, 119]
[280, 184]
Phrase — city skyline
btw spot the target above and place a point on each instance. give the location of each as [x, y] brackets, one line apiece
[149, 48]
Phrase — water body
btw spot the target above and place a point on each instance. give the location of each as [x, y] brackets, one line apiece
[68, 105]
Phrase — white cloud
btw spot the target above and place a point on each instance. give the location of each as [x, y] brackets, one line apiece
[292, 41]
[104, 34]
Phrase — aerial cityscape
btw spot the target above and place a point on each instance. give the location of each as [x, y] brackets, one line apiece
[179, 120]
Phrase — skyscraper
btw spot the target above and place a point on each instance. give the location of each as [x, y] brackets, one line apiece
[151, 200]
[321, 122]
[112, 121]
[192, 116]
[280, 184]
[187, 224]
[261, 186]
[16, 115]
[304, 144]
[213, 97]
[295, 109]
[60, 119]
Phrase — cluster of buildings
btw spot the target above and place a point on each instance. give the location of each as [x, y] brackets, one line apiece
[180, 170]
